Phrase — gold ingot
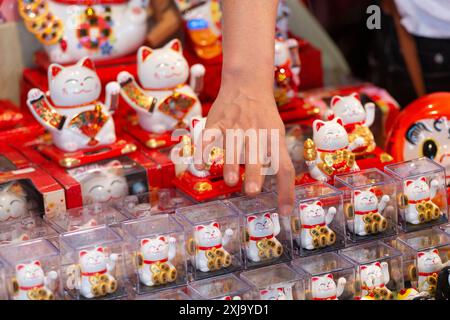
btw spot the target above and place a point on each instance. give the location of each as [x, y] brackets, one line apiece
[202, 186]
[155, 143]
[386, 157]
[129, 148]
[68, 162]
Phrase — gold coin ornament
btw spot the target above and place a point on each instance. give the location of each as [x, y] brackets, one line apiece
[420, 207]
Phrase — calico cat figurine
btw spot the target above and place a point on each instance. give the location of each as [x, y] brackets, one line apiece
[165, 101]
[77, 119]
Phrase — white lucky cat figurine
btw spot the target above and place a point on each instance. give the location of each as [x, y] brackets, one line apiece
[374, 276]
[77, 120]
[101, 183]
[262, 242]
[324, 287]
[33, 284]
[368, 217]
[165, 101]
[356, 119]
[274, 294]
[13, 202]
[429, 264]
[96, 273]
[155, 266]
[209, 253]
[315, 232]
[287, 70]
[420, 207]
[330, 152]
[71, 30]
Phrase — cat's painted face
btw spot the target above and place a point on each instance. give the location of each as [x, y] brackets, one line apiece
[209, 235]
[429, 261]
[365, 200]
[12, 201]
[282, 55]
[92, 260]
[162, 68]
[348, 108]
[273, 294]
[330, 135]
[417, 189]
[74, 85]
[30, 274]
[372, 273]
[311, 214]
[155, 249]
[260, 226]
[324, 286]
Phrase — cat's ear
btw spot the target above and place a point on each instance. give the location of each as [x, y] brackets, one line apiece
[315, 279]
[372, 190]
[264, 292]
[363, 268]
[377, 264]
[303, 206]
[216, 225]
[420, 254]
[53, 70]
[280, 290]
[175, 45]
[16, 188]
[251, 218]
[330, 276]
[87, 63]
[99, 249]
[436, 251]
[335, 100]
[82, 253]
[317, 124]
[267, 216]
[20, 267]
[144, 241]
[423, 179]
[338, 121]
[144, 52]
[195, 121]
[199, 228]
[356, 96]
[115, 167]
[162, 238]
[37, 263]
[408, 182]
[357, 192]
[318, 203]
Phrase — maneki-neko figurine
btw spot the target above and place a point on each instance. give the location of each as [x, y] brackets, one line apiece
[81, 126]
[163, 101]
[329, 152]
[357, 120]
[204, 184]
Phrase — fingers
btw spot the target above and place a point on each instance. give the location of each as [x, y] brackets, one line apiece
[233, 148]
[254, 180]
[286, 182]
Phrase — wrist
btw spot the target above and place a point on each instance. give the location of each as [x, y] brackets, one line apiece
[248, 76]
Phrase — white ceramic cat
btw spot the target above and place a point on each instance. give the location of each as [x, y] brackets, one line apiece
[273, 294]
[287, 74]
[324, 287]
[13, 203]
[429, 263]
[101, 183]
[32, 282]
[207, 238]
[374, 276]
[97, 273]
[165, 101]
[312, 216]
[156, 251]
[75, 29]
[263, 228]
[365, 203]
[77, 120]
[330, 140]
[417, 191]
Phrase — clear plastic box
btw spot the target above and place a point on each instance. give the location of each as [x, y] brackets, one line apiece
[147, 204]
[378, 269]
[421, 193]
[370, 204]
[226, 287]
[92, 263]
[155, 256]
[32, 270]
[3, 292]
[425, 253]
[267, 237]
[328, 277]
[89, 216]
[212, 239]
[445, 228]
[170, 294]
[318, 220]
[277, 282]
[29, 228]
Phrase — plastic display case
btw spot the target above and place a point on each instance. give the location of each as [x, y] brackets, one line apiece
[92, 263]
[318, 220]
[378, 269]
[157, 201]
[266, 236]
[445, 228]
[328, 277]
[370, 204]
[226, 287]
[26, 229]
[425, 253]
[213, 239]
[170, 294]
[277, 282]
[421, 193]
[32, 270]
[155, 256]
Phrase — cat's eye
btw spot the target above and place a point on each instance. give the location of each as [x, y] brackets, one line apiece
[14, 202]
[73, 81]
[116, 182]
[95, 188]
[88, 78]
[162, 65]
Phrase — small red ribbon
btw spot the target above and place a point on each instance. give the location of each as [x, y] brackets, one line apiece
[209, 248]
[312, 226]
[261, 238]
[32, 287]
[418, 201]
[90, 274]
[155, 261]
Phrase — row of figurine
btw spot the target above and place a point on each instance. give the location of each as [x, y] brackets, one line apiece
[147, 259]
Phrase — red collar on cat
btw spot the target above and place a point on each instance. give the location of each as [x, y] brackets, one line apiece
[361, 213]
[261, 238]
[90, 274]
[427, 274]
[418, 201]
[327, 298]
[209, 248]
[332, 151]
[39, 286]
[90, 2]
[156, 261]
[312, 226]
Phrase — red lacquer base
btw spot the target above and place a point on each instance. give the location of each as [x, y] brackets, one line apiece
[150, 139]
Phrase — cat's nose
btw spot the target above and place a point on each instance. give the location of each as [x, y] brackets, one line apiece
[81, 84]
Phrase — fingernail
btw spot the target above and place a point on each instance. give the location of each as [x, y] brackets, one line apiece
[286, 210]
[252, 188]
[232, 178]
